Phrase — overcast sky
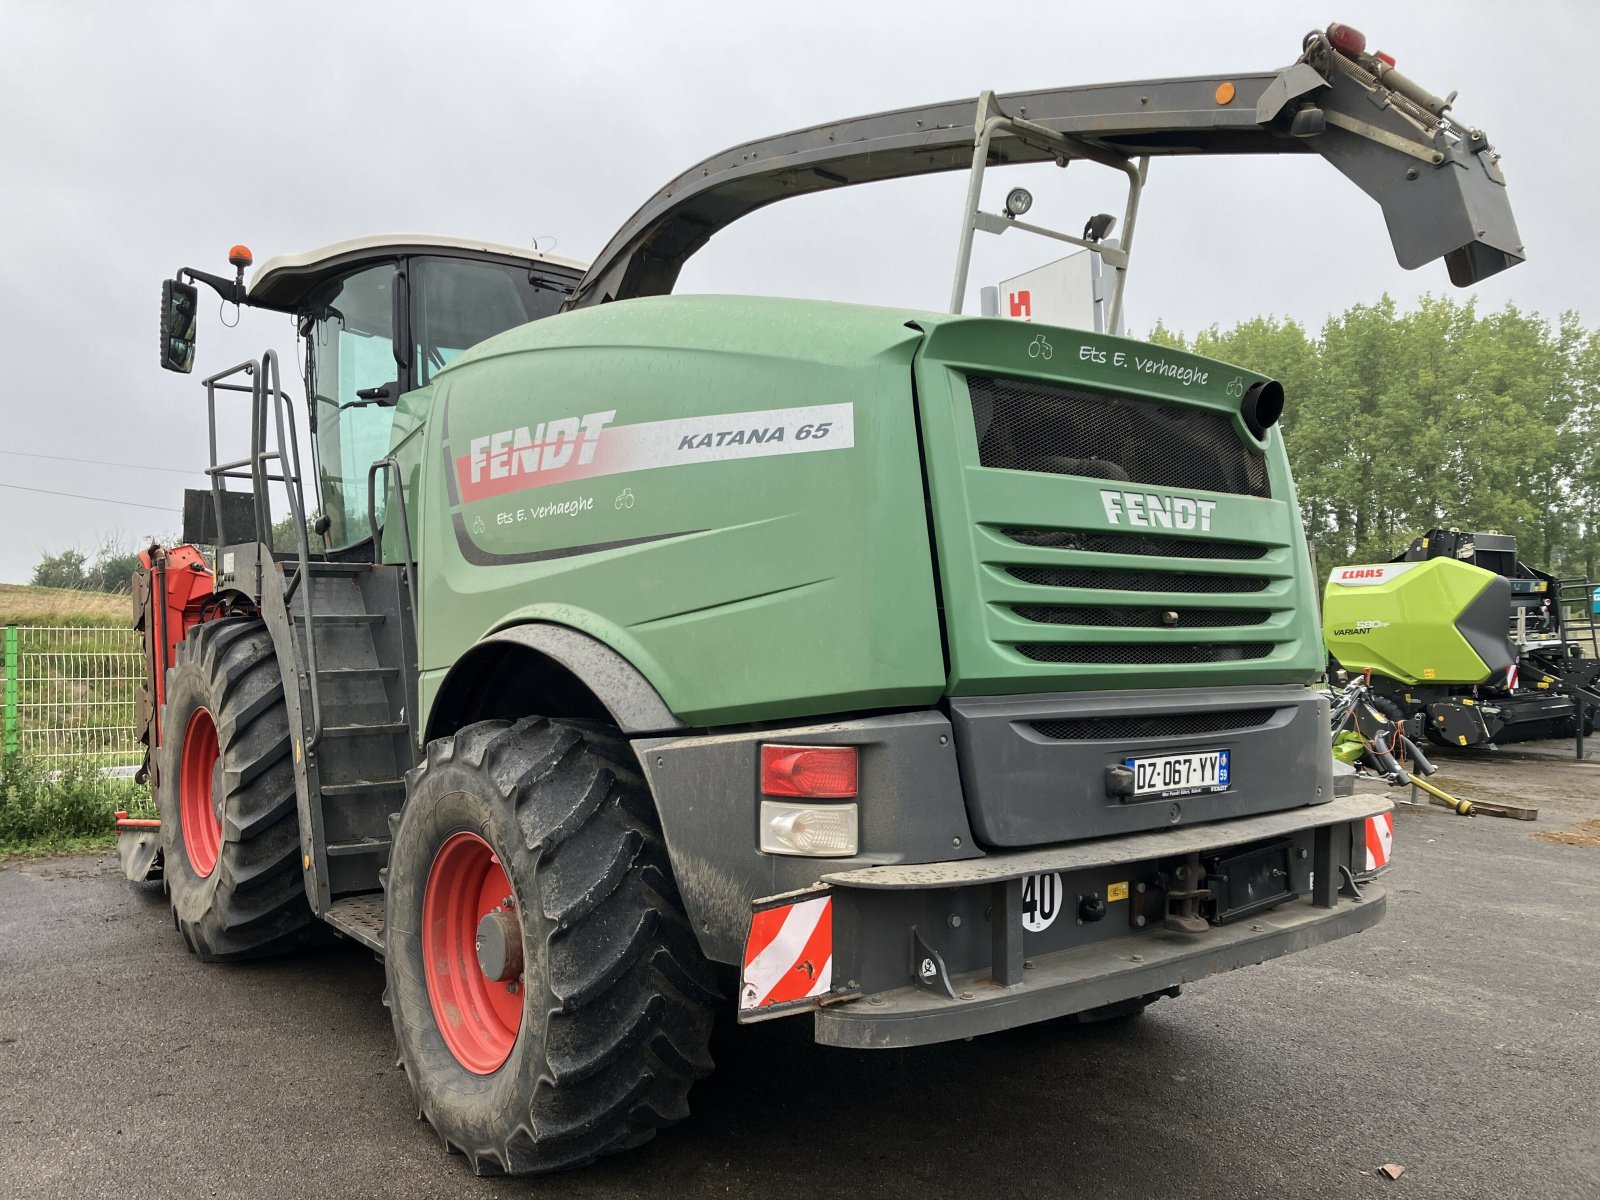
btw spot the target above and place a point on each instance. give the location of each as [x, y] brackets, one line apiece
[136, 138]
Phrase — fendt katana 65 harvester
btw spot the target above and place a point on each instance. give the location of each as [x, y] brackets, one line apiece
[643, 656]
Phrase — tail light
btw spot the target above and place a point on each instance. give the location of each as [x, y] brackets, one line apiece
[1347, 40]
[815, 772]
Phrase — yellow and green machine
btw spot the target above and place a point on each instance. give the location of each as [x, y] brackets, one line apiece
[1464, 641]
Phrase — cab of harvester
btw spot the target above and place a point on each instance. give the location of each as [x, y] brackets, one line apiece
[632, 654]
[375, 317]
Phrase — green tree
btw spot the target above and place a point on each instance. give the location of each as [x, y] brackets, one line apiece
[64, 570]
[111, 569]
[1400, 422]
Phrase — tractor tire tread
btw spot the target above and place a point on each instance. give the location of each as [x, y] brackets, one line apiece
[257, 906]
[629, 999]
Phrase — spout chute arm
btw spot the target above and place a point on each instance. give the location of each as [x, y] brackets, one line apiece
[1439, 185]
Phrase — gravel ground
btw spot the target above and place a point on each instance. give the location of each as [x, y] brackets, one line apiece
[1459, 1038]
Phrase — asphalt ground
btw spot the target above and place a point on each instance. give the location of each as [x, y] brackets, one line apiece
[1460, 1038]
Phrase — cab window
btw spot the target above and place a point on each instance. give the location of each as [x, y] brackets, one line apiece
[459, 302]
[351, 351]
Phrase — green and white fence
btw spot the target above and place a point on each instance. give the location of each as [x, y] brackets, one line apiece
[70, 692]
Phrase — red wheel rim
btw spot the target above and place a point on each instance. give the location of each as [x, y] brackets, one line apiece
[199, 810]
[478, 1018]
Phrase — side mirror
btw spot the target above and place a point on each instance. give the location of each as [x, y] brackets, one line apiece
[179, 307]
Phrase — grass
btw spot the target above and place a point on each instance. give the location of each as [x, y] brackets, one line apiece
[58, 810]
[24, 605]
[65, 806]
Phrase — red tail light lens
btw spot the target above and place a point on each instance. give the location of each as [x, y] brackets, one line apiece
[818, 772]
[1346, 40]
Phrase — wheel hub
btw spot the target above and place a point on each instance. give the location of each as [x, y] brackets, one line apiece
[499, 945]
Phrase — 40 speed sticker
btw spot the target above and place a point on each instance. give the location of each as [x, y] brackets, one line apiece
[1041, 901]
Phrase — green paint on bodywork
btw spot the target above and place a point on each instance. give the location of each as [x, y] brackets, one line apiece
[1403, 626]
[776, 585]
[782, 583]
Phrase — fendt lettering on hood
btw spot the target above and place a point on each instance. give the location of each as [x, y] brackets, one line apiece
[546, 447]
[570, 449]
[1149, 511]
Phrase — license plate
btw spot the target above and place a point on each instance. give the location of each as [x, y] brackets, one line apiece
[1180, 774]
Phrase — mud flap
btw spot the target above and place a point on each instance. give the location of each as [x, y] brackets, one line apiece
[787, 966]
[139, 848]
[1372, 858]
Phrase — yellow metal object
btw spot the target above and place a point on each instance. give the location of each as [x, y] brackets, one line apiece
[1116, 891]
[305, 863]
[1459, 807]
[1226, 92]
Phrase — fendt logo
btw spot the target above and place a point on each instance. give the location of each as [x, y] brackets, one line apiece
[547, 447]
[1157, 512]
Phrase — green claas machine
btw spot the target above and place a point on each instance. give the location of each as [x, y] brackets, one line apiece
[1464, 643]
[634, 658]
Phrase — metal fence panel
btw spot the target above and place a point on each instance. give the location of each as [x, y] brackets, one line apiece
[70, 693]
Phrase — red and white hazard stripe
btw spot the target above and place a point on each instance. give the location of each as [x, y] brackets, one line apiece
[1380, 840]
[789, 954]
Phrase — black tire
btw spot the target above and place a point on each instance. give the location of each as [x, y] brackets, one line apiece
[617, 1002]
[251, 901]
[1391, 709]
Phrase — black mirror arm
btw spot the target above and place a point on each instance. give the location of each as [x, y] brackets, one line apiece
[232, 291]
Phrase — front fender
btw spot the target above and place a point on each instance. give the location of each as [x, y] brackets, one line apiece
[630, 700]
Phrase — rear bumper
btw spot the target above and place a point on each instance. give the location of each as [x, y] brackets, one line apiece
[906, 955]
[1074, 980]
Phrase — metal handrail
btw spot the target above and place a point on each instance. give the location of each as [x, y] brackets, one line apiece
[266, 388]
[992, 120]
[270, 384]
[390, 467]
[220, 471]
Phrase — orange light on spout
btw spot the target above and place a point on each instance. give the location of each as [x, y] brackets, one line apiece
[241, 257]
